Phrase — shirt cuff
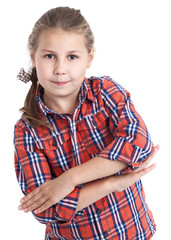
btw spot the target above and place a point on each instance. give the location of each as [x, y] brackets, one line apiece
[122, 150]
[66, 208]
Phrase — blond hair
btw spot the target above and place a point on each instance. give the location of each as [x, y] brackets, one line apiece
[67, 19]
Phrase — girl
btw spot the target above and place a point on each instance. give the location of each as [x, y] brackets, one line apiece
[80, 145]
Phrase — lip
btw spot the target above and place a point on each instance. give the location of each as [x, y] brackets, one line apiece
[60, 83]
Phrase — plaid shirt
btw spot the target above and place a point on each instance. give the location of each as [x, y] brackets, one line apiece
[105, 124]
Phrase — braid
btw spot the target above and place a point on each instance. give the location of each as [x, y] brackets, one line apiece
[31, 112]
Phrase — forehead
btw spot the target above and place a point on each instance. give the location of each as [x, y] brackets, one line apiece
[59, 39]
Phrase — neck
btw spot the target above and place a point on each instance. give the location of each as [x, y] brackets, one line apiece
[60, 105]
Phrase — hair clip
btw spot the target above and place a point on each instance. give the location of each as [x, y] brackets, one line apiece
[24, 76]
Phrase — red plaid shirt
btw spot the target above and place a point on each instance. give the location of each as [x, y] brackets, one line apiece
[105, 123]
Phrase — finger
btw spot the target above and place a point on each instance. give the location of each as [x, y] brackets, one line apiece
[146, 162]
[155, 150]
[125, 181]
[37, 204]
[44, 207]
[30, 195]
[141, 173]
[31, 201]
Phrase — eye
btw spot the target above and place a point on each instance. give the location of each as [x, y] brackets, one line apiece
[72, 57]
[50, 56]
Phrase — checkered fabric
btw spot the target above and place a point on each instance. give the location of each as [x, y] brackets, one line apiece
[105, 124]
[24, 76]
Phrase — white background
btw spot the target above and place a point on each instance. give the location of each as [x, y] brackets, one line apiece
[133, 46]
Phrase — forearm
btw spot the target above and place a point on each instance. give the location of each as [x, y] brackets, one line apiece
[94, 169]
[98, 189]
[93, 191]
[50, 192]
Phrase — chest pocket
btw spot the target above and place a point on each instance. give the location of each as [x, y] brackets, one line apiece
[57, 151]
[94, 132]
[52, 143]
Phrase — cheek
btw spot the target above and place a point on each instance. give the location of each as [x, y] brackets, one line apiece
[78, 76]
[79, 70]
[42, 72]
[40, 75]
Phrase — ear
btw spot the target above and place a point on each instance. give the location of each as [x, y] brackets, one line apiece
[32, 56]
[91, 57]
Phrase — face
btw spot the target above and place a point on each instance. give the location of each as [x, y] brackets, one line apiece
[61, 60]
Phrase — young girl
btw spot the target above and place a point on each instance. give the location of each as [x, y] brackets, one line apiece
[80, 145]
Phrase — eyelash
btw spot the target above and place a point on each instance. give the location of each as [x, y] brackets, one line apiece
[70, 57]
[49, 56]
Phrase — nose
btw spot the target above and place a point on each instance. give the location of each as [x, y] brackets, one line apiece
[59, 68]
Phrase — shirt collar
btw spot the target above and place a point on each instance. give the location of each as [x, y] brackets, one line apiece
[89, 92]
[85, 92]
[39, 94]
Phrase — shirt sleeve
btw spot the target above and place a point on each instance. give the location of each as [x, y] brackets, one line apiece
[32, 169]
[132, 142]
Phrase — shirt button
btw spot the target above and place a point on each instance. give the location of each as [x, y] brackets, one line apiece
[94, 122]
[98, 211]
[105, 234]
[54, 143]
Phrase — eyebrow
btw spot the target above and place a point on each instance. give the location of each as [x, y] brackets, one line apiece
[51, 51]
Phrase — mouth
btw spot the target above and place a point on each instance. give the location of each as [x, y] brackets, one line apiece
[60, 83]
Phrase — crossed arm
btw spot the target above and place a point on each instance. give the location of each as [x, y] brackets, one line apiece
[90, 172]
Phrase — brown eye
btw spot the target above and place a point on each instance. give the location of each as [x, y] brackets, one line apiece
[49, 56]
[72, 57]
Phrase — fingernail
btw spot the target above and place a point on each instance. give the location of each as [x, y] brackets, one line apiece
[36, 211]
[156, 148]
[25, 210]
[154, 165]
[22, 200]
[20, 207]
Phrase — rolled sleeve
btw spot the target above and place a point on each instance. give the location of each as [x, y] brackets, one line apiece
[66, 208]
[32, 169]
[132, 142]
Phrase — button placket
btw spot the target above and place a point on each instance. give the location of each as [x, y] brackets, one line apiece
[105, 234]
[98, 211]
[74, 140]
[54, 143]
[94, 122]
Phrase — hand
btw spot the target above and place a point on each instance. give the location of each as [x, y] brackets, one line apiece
[125, 181]
[48, 194]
